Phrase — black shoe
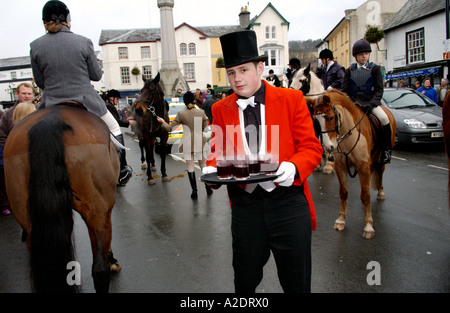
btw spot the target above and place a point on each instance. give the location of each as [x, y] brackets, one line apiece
[124, 176]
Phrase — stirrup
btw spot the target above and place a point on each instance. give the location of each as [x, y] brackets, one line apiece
[124, 176]
[385, 157]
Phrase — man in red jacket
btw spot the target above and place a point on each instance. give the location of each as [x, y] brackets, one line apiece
[276, 215]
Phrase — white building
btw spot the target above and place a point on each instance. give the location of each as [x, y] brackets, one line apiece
[130, 53]
[415, 39]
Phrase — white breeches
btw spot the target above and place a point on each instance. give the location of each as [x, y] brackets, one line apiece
[381, 115]
[113, 126]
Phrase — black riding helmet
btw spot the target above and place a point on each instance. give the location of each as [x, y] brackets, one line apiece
[55, 10]
[326, 54]
[113, 93]
[361, 46]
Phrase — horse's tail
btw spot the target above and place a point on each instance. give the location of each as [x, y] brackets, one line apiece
[50, 206]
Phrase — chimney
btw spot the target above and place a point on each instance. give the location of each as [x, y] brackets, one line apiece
[244, 17]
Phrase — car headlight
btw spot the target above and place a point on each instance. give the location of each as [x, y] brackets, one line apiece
[413, 123]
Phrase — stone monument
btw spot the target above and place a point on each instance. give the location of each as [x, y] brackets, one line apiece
[171, 77]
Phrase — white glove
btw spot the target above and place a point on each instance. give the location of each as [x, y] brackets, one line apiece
[288, 176]
[209, 170]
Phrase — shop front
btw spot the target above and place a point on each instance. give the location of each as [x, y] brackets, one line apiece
[408, 76]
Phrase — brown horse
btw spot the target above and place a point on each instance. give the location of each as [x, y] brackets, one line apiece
[57, 160]
[148, 106]
[348, 135]
[446, 122]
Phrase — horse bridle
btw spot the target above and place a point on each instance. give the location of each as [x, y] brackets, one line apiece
[151, 108]
[337, 118]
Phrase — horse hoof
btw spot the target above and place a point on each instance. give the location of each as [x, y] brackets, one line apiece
[327, 171]
[153, 168]
[151, 182]
[165, 179]
[369, 234]
[381, 196]
[144, 166]
[339, 226]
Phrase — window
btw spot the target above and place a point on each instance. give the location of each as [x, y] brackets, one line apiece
[267, 32]
[416, 46]
[192, 49]
[273, 57]
[145, 52]
[189, 71]
[274, 32]
[13, 75]
[123, 53]
[147, 71]
[125, 75]
[183, 49]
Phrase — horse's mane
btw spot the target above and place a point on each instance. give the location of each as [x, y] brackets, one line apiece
[342, 99]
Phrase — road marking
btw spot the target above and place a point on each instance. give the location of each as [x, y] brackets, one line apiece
[398, 158]
[438, 167]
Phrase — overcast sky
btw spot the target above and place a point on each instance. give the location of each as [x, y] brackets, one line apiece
[21, 20]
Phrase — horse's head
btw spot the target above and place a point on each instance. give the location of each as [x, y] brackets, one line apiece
[302, 79]
[151, 102]
[328, 118]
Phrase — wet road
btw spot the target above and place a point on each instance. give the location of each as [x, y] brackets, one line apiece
[168, 243]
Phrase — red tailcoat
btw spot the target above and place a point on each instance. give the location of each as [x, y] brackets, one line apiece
[289, 130]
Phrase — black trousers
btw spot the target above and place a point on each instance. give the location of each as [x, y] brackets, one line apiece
[263, 222]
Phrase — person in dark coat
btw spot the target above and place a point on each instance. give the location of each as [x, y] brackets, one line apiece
[333, 73]
[363, 83]
[112, 101]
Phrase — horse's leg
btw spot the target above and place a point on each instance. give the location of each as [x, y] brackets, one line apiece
[341, 174]
[152, 155]
[377, 180]
[100, 243]
[150, 160]
[141, 147]
[164, 177]
[364, 178]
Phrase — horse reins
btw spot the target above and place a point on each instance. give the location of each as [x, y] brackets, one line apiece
[151, 108]
[337, 118]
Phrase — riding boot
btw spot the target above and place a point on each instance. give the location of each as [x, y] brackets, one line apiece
[193, 183]
[209, 191]
[385, 157]
[125, 171]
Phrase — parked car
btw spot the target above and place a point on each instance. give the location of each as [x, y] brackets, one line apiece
[419, 119]
[176, 133]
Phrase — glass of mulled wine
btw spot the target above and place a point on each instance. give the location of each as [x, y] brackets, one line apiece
[254, 167]
[240, 167]
[269, 164]
[224, 169]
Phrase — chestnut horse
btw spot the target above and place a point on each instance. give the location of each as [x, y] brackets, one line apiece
[348, 135]
[57, 160]
[148, 106]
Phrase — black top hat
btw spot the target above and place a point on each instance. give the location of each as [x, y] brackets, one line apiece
[239, 48]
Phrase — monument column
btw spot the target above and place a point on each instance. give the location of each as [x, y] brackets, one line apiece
[171, 77]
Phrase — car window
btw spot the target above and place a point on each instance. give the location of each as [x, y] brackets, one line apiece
[404, 98]
[175, 108]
